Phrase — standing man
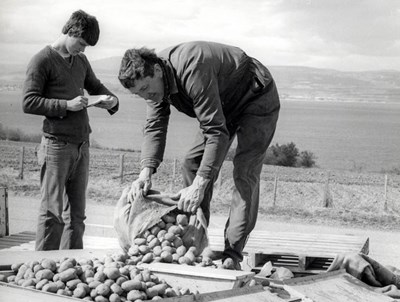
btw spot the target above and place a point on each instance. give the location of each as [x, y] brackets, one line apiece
[54, 87]
[230, 94]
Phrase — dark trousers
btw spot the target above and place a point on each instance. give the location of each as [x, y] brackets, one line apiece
[254, 130]
[63, 179]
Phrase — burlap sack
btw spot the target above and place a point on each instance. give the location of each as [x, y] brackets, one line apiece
[133, 219]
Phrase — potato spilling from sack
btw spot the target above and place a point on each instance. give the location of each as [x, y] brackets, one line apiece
[171, 240]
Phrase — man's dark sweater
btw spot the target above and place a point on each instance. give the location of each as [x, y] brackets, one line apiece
[51, 80]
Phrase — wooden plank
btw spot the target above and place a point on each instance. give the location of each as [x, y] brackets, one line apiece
[4, 223]
[332, 287]
[201, 279]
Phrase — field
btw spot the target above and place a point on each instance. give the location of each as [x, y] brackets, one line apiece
[356, 199]
[343, 135]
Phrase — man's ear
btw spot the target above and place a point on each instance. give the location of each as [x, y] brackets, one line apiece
[158, 71]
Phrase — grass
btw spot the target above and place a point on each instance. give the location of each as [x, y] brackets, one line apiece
[357, 199]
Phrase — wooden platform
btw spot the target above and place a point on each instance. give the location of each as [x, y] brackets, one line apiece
[309, 253]
[297, 251]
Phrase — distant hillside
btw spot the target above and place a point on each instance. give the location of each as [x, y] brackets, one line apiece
[295, 83]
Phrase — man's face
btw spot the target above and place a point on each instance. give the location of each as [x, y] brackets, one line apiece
[75, 45]
[150, 88]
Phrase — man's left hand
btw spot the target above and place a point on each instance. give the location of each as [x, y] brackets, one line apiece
[107, 102]
[191, 197]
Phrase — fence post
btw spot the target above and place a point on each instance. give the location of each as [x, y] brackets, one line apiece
[327, 198]
[385, 205]
[172, 183]
[121, 167]
[275, 189]
[21, 163]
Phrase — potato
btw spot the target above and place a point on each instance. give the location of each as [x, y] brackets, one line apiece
[169, 218]
[41, 283]
[193, 249]
[71, 284]
[161, 235]
[124, 270]
[184, 260]
[65, 265]
[144, 249]
[189, 254]
[165, 243]
[112, 272]
[114, 298]
[131, 285]
[121, 280]
[49, 264]
[150, 238]
[151, 292]
[148, 257]
[154, 230]
[85, 261]
[160, 288]
[115, 288]
[84, 286]
[169, 292]
[29, 282]
[157, 250]
[67, 275]
[44, 274]
[134, 250]
[166, 256]
[60, 284]
[109, 282]
[154, 242]
[100, 276]
[94, 284]
[37, 268]
[50, 287]
[103, 289]
[63, 292]
[181, 250]
[134, 295]
[101, 299]
[79, 292]
[161, 224]
[139, 241]
[176, 230]
[175, 257]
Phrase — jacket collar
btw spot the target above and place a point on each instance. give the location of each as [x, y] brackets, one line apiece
[170, 86]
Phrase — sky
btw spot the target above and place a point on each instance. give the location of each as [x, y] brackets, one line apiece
[346, 35]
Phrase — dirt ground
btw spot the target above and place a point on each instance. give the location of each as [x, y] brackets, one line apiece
[384, 245]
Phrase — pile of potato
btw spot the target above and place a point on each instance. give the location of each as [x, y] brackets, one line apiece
[112, 279]
[166, 242]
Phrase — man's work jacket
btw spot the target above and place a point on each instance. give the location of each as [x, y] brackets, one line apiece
[206, 81]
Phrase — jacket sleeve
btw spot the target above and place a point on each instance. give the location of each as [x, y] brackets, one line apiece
[155, 134]
[94, 86]
[34, 102]
[202, 86]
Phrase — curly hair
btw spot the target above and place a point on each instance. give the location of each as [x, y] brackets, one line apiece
[137, 64]
[84, 26]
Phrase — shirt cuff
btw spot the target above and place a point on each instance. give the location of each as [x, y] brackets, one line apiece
[150, 163]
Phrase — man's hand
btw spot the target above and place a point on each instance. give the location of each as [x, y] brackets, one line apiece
[192, 196]
[107, 102]
[77, 103]
[141, 184]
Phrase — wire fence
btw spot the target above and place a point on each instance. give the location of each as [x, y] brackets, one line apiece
[279, 186]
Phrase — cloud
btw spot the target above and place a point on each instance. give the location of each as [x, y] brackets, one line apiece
[356, 34]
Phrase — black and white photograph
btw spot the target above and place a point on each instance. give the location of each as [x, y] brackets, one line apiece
[187, 151]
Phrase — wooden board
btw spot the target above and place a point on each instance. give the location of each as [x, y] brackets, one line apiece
[12, 293]
[332, 287]
[201, 279]
[296, 251]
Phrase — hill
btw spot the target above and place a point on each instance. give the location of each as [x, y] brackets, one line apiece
[295, 83]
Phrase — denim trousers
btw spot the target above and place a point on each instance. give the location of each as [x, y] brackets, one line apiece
[254, 130]
[63, 179]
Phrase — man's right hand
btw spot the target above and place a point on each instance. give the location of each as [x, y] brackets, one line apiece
[77, 103]
[141, 184]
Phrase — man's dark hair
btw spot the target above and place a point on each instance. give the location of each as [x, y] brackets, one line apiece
[83, 25]
[137, 64]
